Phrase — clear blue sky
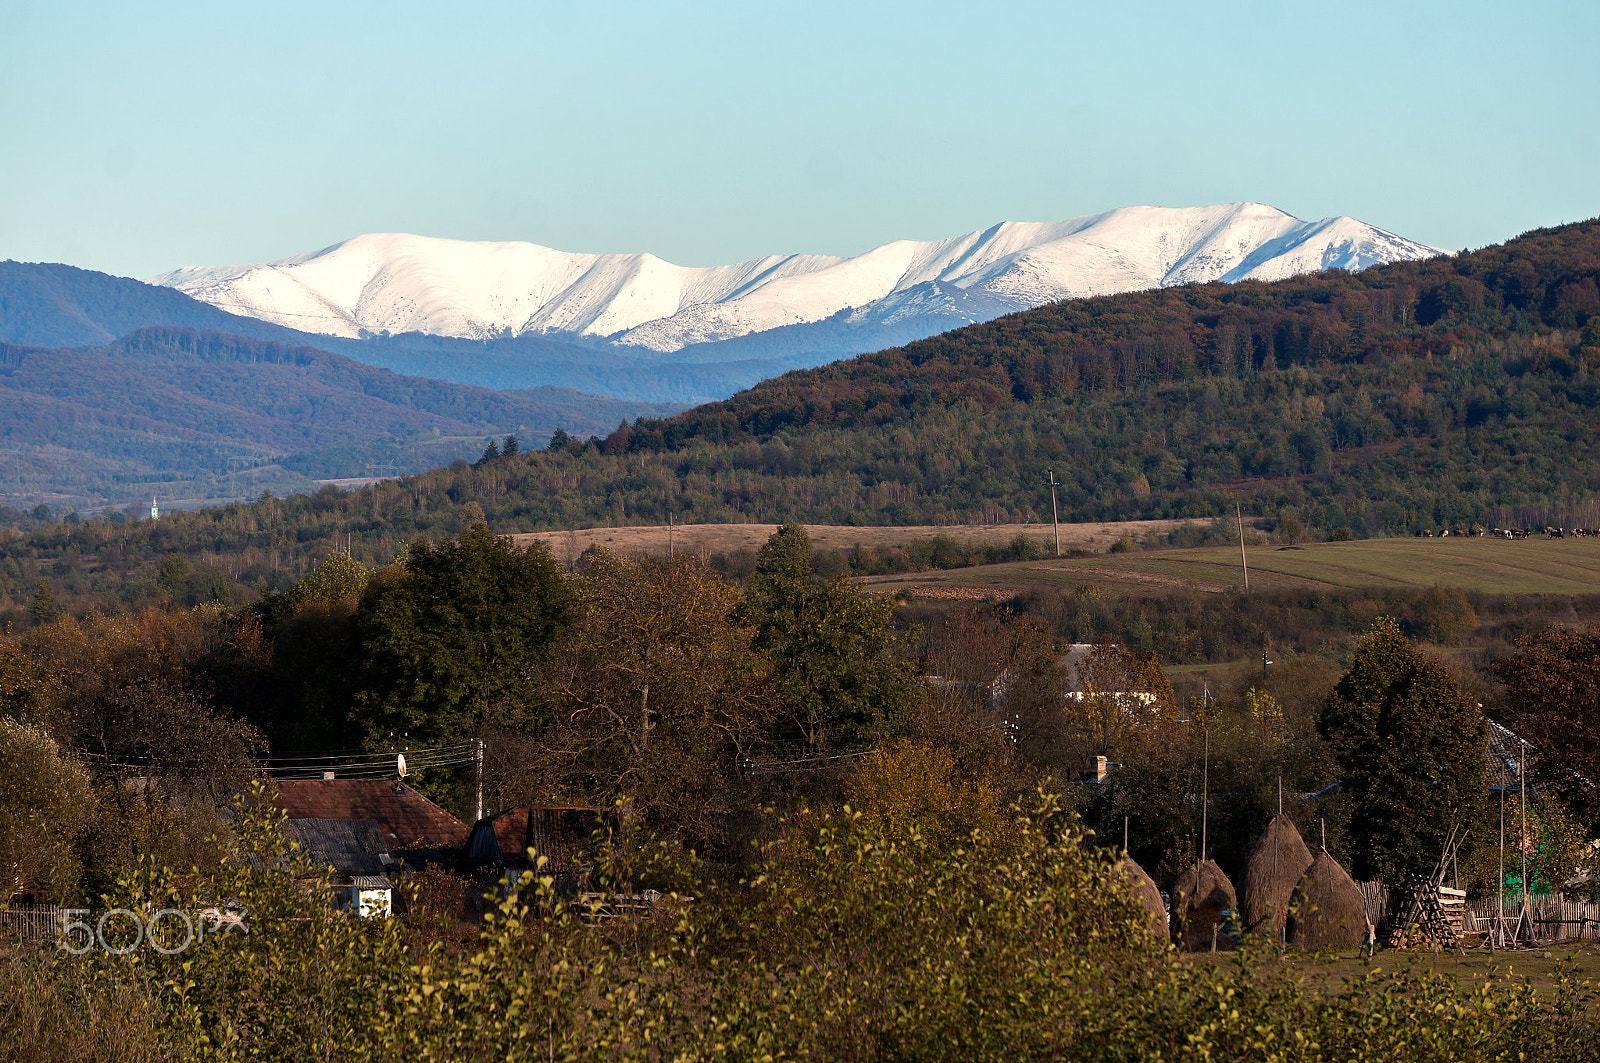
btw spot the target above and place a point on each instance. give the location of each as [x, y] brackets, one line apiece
[139, 137]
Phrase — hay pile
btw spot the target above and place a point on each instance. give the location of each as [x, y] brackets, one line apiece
[1329, 912]
[1275, 866]
[1143, 888]
[1199, 898]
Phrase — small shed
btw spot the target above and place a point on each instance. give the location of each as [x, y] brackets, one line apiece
[371, 897]
[560, 833]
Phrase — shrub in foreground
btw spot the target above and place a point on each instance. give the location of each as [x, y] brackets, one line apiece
[854, 944]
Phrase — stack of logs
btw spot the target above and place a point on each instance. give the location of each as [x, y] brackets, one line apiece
[1421, 921]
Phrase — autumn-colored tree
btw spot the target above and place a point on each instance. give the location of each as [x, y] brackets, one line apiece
[1555, 843]
[1411, 748]
[136, 701]
[1120, 698]
[29, 692]
[1443, 615]
[657, 694]
[46, 804]
[906, 786]
[994, 696]
[1552, 698]
[1265, 714]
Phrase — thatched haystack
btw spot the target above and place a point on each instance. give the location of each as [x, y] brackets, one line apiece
[1329, 912]
[1143, 888]
[1199, 898]
[1275, 866]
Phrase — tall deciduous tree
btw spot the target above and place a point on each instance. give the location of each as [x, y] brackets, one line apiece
[1121, 697]
[838, 665]
[455, 632]
[657, 691]
[302, 691]
[46, 803]
[1553, 699]
[135, 695]
[1411, 748]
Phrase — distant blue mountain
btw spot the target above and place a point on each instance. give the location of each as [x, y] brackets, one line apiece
[54, 305]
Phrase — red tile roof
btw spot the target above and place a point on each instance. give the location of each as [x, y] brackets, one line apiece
[407, 819]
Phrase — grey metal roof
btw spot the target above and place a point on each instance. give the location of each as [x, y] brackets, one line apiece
[350, 847]
[1501, 760]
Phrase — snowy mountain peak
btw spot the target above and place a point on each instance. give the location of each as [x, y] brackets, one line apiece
[395, 282]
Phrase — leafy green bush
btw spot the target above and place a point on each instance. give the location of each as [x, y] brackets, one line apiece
[853, 945]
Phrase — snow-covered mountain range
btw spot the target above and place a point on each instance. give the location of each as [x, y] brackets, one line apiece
[396, 283]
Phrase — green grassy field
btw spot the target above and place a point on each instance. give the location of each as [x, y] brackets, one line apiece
[1471, 967]
[1495, 566]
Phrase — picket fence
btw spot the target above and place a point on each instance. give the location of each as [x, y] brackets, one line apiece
[40, 922]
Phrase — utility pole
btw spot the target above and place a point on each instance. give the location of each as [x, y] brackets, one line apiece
[477, 765]
[1522, 843]
[1205, 794]
[1242, 563]
[1054, 514]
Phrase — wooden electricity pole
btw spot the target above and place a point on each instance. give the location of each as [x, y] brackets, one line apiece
[1242, 563]
[1205, 798]
[1054, 514]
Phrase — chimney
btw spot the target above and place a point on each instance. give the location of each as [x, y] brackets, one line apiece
[1096, 769]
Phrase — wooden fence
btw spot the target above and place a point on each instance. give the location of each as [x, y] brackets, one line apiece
[1554, 919]
[31, 922]
[1375, 895]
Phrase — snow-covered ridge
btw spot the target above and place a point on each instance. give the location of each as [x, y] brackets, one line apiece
[393, 282]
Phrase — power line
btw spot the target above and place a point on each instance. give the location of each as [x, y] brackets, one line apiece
[351, 763]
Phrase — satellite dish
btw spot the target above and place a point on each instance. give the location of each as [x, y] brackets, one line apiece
[400, 765]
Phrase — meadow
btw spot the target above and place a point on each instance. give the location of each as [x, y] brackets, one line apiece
[1490, 566]
[726, 538]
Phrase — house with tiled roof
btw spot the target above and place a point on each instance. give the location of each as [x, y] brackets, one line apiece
[405, 821]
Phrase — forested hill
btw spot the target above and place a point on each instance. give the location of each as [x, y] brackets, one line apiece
[45, 304]
[1414, 394]
[1324, 323]
[163, 406]
[1410, 396]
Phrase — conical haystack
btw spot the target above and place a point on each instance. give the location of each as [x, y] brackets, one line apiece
[1276, 864]
[1143, 888]
[1199, 898]
[1328, 910]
